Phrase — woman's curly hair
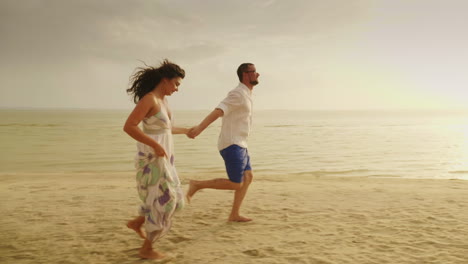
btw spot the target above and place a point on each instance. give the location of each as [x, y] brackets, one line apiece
[145, 79]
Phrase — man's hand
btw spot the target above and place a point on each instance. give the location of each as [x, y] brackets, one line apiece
[194, 132]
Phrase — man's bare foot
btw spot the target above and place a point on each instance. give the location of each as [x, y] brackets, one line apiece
[150, 254]
[192, 190]
[239, 219]
[136, 226]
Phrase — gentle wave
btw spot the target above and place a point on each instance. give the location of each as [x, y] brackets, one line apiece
[30, 125]
[314, 173]
[281, 126]
[459, 172]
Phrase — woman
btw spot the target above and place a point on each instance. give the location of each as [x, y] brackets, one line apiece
[157, 181]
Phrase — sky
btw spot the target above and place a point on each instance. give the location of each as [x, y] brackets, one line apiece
[311, 54]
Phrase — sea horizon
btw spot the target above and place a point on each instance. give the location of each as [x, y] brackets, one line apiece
[255, 109]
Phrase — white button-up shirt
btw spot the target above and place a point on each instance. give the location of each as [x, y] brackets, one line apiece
[237, 118]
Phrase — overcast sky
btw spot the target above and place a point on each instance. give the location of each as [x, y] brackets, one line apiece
[311, 54]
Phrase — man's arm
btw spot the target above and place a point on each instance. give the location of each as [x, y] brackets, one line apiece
[210, 118]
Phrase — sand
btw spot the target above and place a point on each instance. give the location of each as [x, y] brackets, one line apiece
[80, 218]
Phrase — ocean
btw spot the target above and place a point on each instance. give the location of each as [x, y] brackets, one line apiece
[283, 143]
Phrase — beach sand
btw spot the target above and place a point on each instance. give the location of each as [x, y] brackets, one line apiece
[80, 218]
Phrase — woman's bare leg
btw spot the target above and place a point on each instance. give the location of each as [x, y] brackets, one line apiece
[136, 225]
[147, 251]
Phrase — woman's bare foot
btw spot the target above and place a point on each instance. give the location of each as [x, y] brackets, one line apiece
[192, 190]
[146, 251]
[136, 225]
[239, 219]
[150, 254]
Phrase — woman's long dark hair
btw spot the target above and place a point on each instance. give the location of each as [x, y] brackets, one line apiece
[144, 80]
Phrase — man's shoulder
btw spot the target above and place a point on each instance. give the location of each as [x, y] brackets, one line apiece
[237, 91]
[236, 88]
[240, 89]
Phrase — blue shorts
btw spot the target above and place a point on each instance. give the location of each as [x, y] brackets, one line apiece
[237, 161]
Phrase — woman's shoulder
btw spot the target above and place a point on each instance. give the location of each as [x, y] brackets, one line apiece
[151, 102]
[149, 99]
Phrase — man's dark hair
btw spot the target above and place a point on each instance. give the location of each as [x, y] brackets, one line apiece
[243, 68]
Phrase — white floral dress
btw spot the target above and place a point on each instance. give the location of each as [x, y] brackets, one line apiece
[157, 181]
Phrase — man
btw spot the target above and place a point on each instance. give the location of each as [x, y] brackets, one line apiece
[236, 110]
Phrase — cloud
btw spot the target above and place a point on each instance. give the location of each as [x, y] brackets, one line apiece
[58, 31]
[63, 30]
[78, 52]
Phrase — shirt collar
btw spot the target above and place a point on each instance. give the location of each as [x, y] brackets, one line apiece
[244, 87]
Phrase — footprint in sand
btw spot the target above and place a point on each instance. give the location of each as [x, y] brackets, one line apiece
[78, 198]
[179, 239]
[252, 252]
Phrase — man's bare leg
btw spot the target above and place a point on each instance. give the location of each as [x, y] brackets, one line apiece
[147, 252]
[239, 196]
[219, 184]
[136, 225]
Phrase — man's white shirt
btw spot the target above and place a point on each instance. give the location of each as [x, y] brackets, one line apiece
[237, 118]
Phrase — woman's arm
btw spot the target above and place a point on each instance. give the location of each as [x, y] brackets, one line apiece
[146, 105]
[180, 130]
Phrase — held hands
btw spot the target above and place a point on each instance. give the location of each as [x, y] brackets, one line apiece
[194, 132]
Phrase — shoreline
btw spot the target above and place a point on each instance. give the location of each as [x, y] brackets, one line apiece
[259, 176]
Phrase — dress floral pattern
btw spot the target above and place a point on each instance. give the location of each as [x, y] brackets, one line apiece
[158, 184]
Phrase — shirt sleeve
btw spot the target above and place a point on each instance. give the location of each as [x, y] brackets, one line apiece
[232, 101]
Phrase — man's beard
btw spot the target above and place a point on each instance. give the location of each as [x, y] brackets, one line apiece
[255, 82]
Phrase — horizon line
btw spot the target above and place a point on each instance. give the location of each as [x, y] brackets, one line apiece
[260, 109]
